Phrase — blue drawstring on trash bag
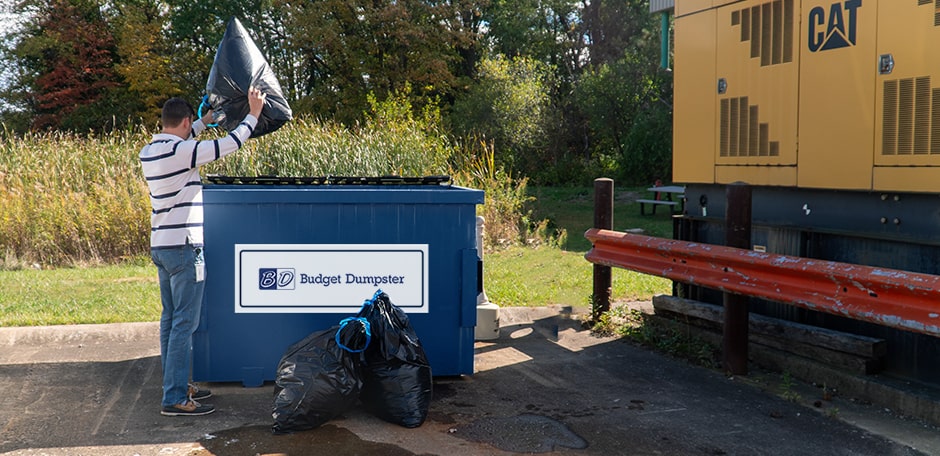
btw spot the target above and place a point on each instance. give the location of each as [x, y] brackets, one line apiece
[339, 332]
[205, 102]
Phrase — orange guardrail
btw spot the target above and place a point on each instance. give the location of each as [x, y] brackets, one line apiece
[887, 297]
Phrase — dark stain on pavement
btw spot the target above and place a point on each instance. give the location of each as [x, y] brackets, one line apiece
[326, 439]
[522, 434]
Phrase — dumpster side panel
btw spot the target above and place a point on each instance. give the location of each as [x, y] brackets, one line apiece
[231, 346]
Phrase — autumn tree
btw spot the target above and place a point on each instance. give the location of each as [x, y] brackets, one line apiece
[146, 58]
[69, 53]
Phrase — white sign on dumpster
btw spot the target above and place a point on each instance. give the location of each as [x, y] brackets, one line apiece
[329, 278]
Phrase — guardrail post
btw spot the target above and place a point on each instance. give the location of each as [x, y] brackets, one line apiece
[603, 219]
[734, 341]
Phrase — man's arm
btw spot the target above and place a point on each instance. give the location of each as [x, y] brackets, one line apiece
[208, 151]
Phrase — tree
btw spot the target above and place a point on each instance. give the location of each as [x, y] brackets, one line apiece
[145, 57]
[510, 106]
[546, 30]
[195, 30]
[352, 48]
[627, 106]
[613, 27]
[469, 26]
[68, 54]
[622, 95]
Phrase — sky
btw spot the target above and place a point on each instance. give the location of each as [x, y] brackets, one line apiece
[7, 18]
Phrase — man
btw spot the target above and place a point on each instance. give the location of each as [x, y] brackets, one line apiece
[171, 166]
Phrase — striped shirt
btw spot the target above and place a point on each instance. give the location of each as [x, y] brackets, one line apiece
[171, 167]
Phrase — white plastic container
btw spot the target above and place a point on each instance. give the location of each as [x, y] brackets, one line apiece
[487, 321]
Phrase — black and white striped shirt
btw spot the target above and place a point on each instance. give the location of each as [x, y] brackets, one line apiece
[171, 167]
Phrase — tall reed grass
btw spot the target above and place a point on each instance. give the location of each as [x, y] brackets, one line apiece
[67, 199]
[70, 200]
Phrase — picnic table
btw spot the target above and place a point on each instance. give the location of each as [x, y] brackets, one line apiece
[668, 191]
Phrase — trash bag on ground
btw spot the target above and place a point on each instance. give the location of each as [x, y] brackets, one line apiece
[239, 65]
[397, 382]
[318, 378]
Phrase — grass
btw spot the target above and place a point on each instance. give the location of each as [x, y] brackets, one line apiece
[108, 294]
[572, 208]
[515, 276]
[526, 276]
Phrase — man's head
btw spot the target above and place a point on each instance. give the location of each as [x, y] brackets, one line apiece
[175, 111]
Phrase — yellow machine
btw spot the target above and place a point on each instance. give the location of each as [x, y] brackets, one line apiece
[830, 111]
[826, 94]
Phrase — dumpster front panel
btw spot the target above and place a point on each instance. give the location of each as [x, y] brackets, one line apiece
[246, 346]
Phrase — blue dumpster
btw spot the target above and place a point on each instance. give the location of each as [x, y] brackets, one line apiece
[289, 256]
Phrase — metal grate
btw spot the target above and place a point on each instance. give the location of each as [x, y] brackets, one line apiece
[742, 134]
[326, 180]
[769, 29]
[910, 122]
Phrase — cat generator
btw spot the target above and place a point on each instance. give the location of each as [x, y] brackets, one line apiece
[830, 111]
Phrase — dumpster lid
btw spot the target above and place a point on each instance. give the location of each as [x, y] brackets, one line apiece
[326, 180]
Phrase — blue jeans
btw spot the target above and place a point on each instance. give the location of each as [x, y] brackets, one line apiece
[181, 295]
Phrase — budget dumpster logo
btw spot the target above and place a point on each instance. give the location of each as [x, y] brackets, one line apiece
[835, 28]
[328, 278]
[276, 279]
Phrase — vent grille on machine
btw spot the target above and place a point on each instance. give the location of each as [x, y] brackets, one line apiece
[769, 29]
[911, 118]
[742, 133]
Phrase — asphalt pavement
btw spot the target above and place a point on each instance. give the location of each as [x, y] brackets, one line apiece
[545, 386]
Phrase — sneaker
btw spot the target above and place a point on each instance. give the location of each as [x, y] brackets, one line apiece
[197, 394]
[189, 408]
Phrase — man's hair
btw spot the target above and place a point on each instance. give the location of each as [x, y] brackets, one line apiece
[175, 110]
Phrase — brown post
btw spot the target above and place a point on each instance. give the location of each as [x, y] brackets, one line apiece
[734, 341]
[603, 219]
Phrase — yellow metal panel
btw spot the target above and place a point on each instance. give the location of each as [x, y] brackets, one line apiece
[907, 106]
[837, 83]
[694, 82]
[907, 179]
[758, 61]
[684, 7]
[757, 175]
[717, 3]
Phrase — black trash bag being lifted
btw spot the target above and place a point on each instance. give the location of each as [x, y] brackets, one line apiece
[319, 377]
[397, 383]
[238, 66]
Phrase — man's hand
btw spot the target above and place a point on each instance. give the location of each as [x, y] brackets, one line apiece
[255, 101]
[207, 118]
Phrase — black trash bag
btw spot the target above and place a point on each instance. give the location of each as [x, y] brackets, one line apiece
[319, 377]
[396, 377]
[238, 66]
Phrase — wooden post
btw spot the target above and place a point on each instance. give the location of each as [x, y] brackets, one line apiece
[603, 219]
[734, 339]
